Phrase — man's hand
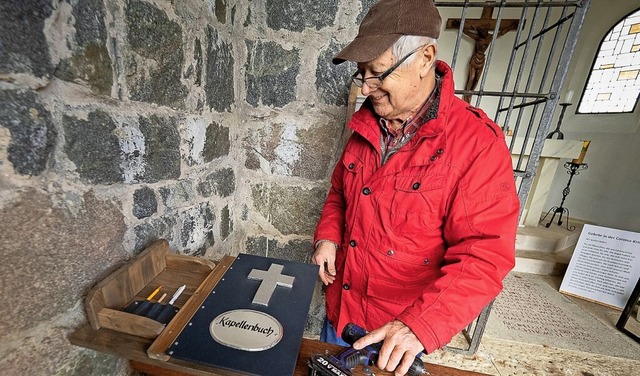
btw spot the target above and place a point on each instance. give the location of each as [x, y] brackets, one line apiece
[399, 348]
[325, 256]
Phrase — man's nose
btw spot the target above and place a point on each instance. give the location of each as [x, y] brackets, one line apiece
[366, 90]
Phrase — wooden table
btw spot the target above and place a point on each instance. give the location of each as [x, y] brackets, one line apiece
[134, 348]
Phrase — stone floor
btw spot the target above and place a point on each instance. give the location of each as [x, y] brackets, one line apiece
[501, 357]
[597, 348]
[535, 330]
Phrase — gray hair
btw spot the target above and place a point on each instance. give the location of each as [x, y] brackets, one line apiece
[407, 43]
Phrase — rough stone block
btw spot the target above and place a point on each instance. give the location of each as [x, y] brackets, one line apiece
[144, 202]
[247, 21]
[153, 229]
[244, 215]
[155, 37]
[178, 195]
[221, 182]
[217, 142]
[23, 45]
[195, 134]
[197, 58]
[50, 353]
[286, 149]
[315, 155]
[271, 73]
[226, 223]
[89, 22]
[162, 148]
[293, 250]
[93, 146]
[221, 11]
[292, 210]
[91, 64]
[297, 15]
[333, 81]
[219, 81]
[55, 253]
[106, 153]
[233, 15]
[317, 312]
[32, 132]
[196, 229]
[90, 61]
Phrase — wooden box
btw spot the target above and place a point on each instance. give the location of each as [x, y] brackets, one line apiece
[144, 341]
[155, 266]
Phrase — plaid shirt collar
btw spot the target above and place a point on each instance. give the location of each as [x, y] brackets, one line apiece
[391, 141]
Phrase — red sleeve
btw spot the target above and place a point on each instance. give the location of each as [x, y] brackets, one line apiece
[331, 223]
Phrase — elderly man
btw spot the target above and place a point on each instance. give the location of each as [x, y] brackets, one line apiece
[418, 229]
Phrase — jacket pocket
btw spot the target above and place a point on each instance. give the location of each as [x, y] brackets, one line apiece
[400, 277]
[402, 295]
[415, 204]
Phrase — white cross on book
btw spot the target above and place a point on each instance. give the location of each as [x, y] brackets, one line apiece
[270, 280]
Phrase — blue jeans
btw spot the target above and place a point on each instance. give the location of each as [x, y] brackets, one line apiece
[329, 335]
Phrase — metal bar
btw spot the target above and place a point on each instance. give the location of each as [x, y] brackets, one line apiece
[519, 77]
[519, 74]
[521, 105]
[537, 150]
[528, 85]
[552, 54]
[524, 177]
[478, 331]
[556, 24]
[507, 77]
[556, 86]
[502, 93]
[487, 63]
[463, 18]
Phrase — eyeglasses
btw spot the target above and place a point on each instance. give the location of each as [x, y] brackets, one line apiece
[376, 81]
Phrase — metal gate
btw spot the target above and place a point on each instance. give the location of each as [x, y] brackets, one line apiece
[518, 88]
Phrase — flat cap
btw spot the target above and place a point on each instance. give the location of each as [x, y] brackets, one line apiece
[386, 21]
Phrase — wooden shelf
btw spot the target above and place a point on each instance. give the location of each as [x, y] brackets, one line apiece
[134, 348]
[144, 341]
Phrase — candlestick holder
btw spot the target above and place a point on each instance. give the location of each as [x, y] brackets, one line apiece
[573, 169]
[557, 130]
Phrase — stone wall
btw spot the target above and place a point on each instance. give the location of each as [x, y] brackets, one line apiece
[211, 123]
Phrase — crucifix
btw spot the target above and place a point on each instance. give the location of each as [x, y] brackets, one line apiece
[481, 30]
[271, 279]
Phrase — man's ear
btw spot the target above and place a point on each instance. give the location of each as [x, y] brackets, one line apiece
[428, 59]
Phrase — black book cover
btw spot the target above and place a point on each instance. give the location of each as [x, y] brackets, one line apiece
[288, 304]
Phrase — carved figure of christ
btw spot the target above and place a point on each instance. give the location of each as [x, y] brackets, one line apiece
[481, 30]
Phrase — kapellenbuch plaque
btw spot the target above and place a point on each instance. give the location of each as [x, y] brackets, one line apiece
[253, 320]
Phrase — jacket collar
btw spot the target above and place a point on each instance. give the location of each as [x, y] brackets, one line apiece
[365, 121]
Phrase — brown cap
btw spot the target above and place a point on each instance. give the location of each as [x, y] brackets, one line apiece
[386, 21]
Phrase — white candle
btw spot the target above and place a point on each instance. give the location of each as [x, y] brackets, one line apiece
[567, 99]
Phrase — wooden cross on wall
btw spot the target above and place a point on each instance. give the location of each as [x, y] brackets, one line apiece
[481, 30]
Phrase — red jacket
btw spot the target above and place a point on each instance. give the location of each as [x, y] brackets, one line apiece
[428, 237]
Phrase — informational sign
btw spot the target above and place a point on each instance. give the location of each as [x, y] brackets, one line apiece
[605, 266]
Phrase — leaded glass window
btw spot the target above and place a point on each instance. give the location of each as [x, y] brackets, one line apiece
[614, 82]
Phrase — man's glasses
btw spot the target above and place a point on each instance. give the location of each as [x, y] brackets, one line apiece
[376, 81]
